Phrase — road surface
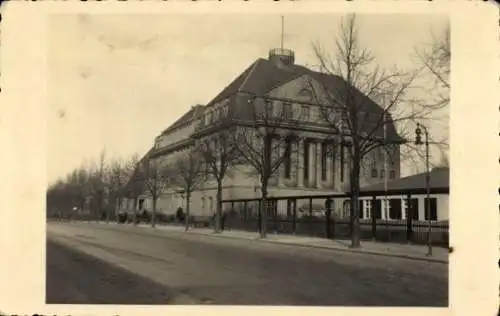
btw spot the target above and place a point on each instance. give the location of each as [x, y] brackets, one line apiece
[123, 264]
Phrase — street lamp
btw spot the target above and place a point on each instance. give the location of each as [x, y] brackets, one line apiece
[418, 141]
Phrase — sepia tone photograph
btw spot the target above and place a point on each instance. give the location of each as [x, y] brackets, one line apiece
[248, 159]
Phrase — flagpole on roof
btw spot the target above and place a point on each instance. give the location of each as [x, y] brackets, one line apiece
[282, 31]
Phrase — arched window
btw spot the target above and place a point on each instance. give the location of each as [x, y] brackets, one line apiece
[305, 93]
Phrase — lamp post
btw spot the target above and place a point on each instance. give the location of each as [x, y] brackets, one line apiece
[418, 141]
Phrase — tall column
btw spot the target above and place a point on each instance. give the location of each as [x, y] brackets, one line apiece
[312, 160]
[318, 165]
[300, 163]
[333, 166]
[328, 162]
[338, 183]
[294, 161]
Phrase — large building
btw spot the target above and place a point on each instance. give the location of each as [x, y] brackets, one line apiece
[309, 167]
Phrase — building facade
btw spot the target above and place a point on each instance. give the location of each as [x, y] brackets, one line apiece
[314, 161]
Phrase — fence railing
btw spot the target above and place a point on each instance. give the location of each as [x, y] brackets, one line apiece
[308, 217]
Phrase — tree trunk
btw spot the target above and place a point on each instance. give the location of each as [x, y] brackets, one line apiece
[107, 214]
[153, 213]
[354, 178]
[263, 211]
[186, 222]
[218, 211]
[134, 211]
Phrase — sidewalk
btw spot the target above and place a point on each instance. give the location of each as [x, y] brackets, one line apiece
[415, 252]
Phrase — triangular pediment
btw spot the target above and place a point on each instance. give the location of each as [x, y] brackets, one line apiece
[303, 88]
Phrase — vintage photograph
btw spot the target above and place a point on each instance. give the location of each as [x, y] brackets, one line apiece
[248, 159]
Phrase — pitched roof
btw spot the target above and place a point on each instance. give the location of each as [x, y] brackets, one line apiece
[187, 117]
[440, 178]
[264, 75]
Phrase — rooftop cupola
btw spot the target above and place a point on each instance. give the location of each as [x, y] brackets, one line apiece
[282, 56]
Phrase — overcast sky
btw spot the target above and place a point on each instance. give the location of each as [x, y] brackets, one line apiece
[117, 81]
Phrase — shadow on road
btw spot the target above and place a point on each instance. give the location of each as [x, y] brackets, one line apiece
[73, 277]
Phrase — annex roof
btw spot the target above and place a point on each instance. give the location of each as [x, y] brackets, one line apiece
[439, 178]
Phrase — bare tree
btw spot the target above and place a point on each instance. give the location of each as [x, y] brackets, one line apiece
[97, 183]
[189, 175]
[218, 152]
[349, 89]
[157, 177]
[434, 59]
[120, 172]
[264, 144]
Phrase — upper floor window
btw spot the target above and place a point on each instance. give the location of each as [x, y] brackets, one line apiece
[304, 112]
[374, 173]
[392, 174]
[382, 173]
[287, 111]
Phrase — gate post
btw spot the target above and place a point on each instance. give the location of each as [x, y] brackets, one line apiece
[373, 218]
[409, 218]
[259, 221]
[245, 210]
[328, 212]
[294, 216]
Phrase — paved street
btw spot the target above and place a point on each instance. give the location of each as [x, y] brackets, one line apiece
[140, 265]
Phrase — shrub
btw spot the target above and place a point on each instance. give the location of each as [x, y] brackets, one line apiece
[180, 214]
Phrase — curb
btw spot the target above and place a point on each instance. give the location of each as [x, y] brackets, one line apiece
[370, 252]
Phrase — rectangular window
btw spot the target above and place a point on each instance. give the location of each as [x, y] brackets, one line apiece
[306, 160]
[433, 210]
[368, 209]
[323, 160]
[392, 174]
[361, 208]
[414, 209]
[288, 159]
[287, 111]
[382, 173]
[268, 109]
[304, 113]
[374, 173]
[377, 209]
[395, 209]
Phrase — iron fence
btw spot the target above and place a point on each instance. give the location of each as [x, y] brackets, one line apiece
[308, 216]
